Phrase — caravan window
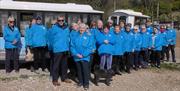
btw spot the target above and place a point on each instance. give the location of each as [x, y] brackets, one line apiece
[3, 21]
[24, 21]
[140, 20]
[49, 17]
[73, 18]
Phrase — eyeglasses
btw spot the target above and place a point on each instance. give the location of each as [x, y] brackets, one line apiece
[11, 21]
[60, 20]
[135, 29]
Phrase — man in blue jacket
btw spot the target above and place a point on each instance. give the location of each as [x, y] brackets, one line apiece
[12, 38]
[171, 36]
[60, 45]
[164, 43]
[38, 42]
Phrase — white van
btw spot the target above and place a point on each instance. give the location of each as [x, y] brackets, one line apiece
[129, 16]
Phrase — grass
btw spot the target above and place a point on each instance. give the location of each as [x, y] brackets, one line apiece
[171, 66]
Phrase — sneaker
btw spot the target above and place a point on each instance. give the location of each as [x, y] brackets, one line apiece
[45, 70]
[17, 71]
[159, 66]
[56, 83]
[86, 87]
[79, 84]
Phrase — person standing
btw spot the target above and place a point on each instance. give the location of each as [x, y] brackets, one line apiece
[129, 48]
[164, 51]
[12, 39]
[27, 40]
[60, 34]
[146, 45]
[118, 50]
[137, 47]
[171, 34]
[156, 47]
[81, 51]
[38, 42]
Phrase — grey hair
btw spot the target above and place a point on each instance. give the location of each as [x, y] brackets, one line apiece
[82, 25]
[11, 18]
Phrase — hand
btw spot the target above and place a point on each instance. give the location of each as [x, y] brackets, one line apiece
[106, 41]
[152, 47]
[14, 42]
[133, 50]
[79, 56]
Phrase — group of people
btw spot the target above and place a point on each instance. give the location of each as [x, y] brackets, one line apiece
[80, 47]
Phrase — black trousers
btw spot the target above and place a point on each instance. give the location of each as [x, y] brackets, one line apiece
[83, 72]
[171, 48]
[118, 62]
[136, 58]
[51, 61]
[60, 66]
[156, 57]
[39, 58]
[128, 60]
[12, 55]
[164, 51]
[72, 68]
[144, 57]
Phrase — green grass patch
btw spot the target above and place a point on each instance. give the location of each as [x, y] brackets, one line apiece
[171, 66]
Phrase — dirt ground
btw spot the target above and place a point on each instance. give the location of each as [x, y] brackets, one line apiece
[142, 80]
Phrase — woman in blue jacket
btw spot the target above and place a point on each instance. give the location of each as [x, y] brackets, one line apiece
[156, 47]
[81, 51]
[118, 49]
[137, 47]
[105, 41]
[12, 38]
[145, 46]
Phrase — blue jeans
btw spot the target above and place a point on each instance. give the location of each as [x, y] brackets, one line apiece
[106, 59]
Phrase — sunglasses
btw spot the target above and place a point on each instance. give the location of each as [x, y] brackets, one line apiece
[60, 20]
[11, 21]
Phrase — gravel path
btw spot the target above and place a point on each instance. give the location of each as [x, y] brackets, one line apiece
[142, 80]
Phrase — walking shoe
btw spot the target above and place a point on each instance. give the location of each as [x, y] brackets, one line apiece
[56, 83]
